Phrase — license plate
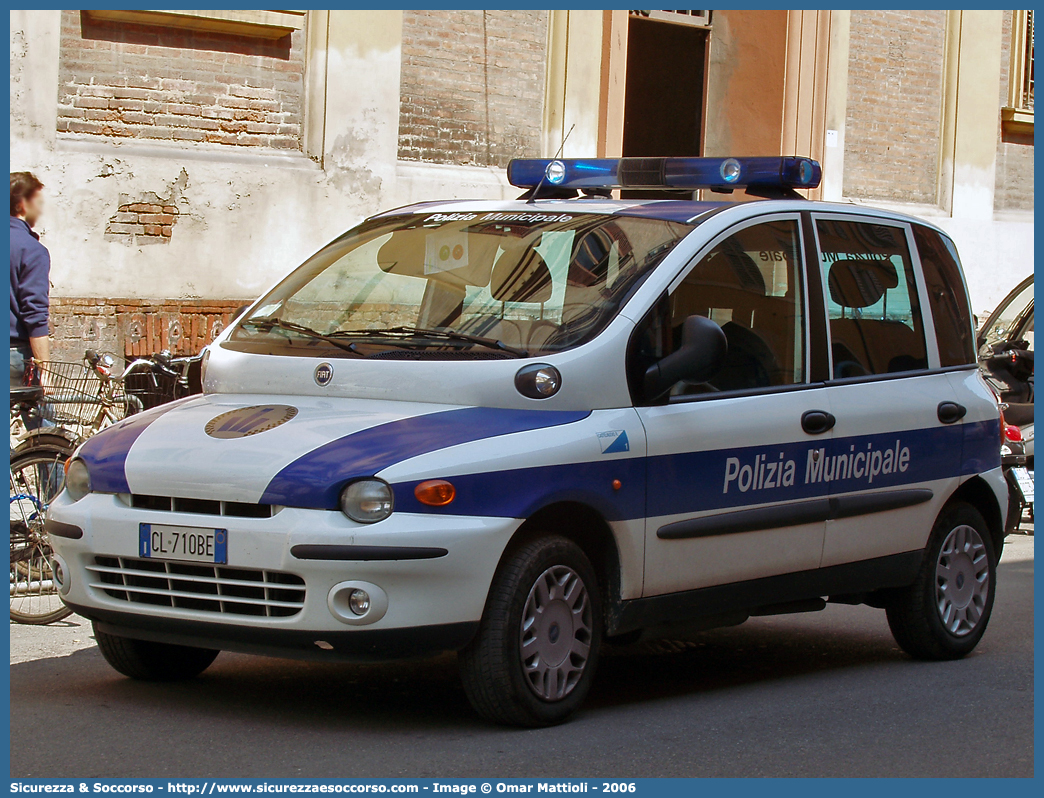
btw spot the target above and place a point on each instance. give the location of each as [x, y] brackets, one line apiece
[185, 543]
[1025, 480]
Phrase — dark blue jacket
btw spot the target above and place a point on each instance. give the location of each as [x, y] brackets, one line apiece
[30, 282]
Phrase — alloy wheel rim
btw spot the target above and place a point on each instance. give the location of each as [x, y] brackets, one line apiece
[556, 633]
[962, 581]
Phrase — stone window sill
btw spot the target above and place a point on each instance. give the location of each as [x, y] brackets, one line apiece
[256, 24]
[1017, 120]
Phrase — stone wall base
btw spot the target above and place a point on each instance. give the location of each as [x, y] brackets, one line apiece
[135, 327]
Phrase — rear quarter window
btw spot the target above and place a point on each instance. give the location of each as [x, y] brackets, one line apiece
[951, 311]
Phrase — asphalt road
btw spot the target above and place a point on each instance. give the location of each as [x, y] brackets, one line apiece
[824, 694]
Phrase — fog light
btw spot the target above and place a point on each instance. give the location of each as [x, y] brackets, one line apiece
[359, 601]
[60, 574]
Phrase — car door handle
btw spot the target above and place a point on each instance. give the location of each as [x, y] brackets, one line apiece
[951, 412]
[816, 422]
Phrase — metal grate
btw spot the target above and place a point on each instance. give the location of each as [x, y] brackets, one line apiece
[173, 504]
[198, 587]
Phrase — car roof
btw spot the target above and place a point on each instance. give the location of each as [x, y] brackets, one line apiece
[689, 211]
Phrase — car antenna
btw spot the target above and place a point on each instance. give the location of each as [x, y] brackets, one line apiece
[533, 195]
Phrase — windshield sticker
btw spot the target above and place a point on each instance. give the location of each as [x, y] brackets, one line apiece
[527, 217]
[444, 252]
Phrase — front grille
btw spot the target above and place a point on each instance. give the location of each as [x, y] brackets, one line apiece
[199, 587]
[173, 504]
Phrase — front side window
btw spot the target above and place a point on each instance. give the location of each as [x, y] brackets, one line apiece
[460, 286]
[872, 304]
[750, 284]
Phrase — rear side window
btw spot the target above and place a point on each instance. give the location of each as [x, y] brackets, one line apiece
[951, 311]
[874, 313]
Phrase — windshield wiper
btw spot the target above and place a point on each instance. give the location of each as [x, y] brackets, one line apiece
[421, 332]
[270, 322]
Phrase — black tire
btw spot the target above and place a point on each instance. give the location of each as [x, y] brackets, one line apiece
[492, 670]
[915, 614]
[153, 662]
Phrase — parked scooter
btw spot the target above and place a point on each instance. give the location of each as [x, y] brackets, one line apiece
[1005, 344]
[1018, 477]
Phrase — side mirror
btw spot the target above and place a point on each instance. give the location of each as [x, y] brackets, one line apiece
[700, 357]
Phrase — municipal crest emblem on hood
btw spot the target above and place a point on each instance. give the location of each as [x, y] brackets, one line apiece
[246, 421]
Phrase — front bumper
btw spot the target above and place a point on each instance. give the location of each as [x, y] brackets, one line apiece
[362, 645]
[434, 601]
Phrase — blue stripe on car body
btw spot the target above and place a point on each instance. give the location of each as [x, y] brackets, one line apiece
[692, 482]
[520, 492]
[106, 453]
[315, 479]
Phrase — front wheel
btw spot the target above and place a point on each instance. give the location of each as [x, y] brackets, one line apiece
[533, 659]
[944, 614]
[37, 476]
[153, 662]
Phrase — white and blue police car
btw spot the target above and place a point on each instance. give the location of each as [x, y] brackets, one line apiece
[518, 430]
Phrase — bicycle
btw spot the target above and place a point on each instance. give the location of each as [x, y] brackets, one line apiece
[83, 398]
[37, 476]
[80, 399]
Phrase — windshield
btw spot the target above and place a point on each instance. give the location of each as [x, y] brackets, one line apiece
[1003, 320]
[460, 286]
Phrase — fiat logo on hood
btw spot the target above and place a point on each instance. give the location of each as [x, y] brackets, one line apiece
[246, 421]
[323, 374]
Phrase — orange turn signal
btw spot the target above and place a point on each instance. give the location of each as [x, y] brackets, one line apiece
[435, 492]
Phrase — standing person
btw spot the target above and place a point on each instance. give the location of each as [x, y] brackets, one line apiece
[30, 278]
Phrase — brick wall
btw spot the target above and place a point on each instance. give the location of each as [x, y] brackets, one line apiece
[150, 82]
[895, 84]
[133, 327]
[1014, 187]
[142, 223]
[472, 85]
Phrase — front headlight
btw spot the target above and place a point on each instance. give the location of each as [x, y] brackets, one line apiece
[367, 500]
[77, 479]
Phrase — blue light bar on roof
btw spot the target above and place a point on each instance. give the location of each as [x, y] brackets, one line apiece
[661, 173]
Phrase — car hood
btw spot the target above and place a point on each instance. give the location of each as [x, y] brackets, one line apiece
[292, 451]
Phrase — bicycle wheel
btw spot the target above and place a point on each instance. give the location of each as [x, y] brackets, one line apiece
[36, 478]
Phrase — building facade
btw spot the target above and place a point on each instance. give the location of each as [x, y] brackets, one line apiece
[192, 158]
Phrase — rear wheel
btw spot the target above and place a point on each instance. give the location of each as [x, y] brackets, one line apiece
[944, 614]
[533, 659]
[153, 662]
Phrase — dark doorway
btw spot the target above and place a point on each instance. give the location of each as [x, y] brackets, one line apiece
[663, 100]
